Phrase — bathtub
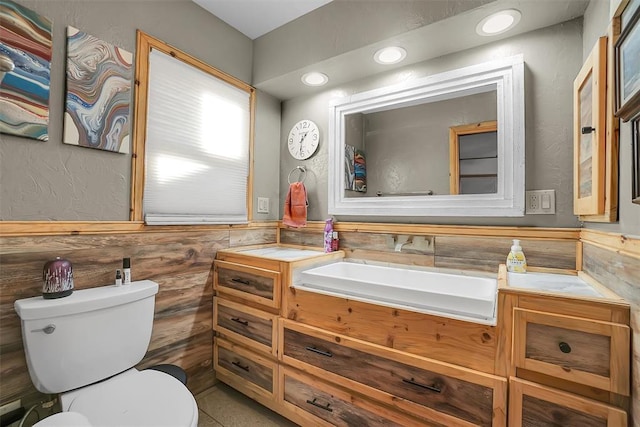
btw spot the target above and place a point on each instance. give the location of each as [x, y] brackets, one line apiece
[458, 296]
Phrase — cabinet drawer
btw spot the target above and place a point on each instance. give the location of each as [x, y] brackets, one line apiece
[319, 403]
[589, 352]
[533, 405]
[246, 325]
[252, 374]
[430, 389]
[250, 283]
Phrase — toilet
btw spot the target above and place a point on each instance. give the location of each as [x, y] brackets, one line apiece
[85, 347]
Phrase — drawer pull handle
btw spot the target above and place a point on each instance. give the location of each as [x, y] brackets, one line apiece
[238, 320]
[325, 407]
[243, 281]
[237, 364]
[428, 387]
[323, 353]
[564, 347]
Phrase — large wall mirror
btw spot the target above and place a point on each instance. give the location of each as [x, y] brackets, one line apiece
[450, 144]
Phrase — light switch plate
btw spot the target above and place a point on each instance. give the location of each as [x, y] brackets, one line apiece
[263, 205]
[540, 202]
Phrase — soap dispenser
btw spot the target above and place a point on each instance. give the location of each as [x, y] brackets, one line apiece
[516, 262]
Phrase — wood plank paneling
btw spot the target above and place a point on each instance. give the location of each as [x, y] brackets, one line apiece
[620, 272]
[244, 237]
[304, 237]
[487, 253]
[181, 263]
[469, 248]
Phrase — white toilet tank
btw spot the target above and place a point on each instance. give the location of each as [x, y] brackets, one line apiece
[88, 336]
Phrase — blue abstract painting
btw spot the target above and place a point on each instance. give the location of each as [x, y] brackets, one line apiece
[98, 93]
[25, 61]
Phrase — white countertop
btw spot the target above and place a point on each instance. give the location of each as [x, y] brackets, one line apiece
[282, 254]
[552, 282]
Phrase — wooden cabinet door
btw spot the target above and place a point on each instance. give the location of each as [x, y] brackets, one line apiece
[321, 404]
[589, 108]
[253, 328]
[580, 350]
[428, 389]
[534, 405]
[249, 283]
[250, 373]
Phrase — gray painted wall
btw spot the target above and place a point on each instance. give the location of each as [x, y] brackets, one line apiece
[54, 181]
[552, 57]
[596, 21]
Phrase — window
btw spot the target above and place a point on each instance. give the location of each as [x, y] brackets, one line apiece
[192, 140]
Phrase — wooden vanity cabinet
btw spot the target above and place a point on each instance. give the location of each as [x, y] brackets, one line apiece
[570, 357]
[251, 327]
[434, 391]
[251, 283]
[246, 309]
[535, 405]
[315, 402]
[585, 351]
[249, 372]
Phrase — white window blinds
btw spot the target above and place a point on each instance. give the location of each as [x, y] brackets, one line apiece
[197, 146]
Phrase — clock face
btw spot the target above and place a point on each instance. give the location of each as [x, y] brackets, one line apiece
[303, 139]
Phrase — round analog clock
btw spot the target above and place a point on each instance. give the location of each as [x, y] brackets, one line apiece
[303, 139]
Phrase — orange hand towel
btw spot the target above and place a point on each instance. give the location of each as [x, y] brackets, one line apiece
[295, 206]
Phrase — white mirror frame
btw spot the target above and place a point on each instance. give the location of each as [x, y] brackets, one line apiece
[506, 76]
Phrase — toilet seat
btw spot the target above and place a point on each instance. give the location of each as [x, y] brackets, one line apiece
[135, 398]
[64, 419]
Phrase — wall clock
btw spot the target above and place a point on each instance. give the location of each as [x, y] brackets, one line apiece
[303, 139]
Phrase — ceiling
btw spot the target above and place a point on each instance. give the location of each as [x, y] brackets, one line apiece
[339, 37]
[253, 18]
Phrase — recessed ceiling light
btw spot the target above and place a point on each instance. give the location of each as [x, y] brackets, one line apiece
[498, 23]
[315, 79]
[390, 55]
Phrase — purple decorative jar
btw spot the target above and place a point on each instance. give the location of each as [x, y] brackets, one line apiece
[58, 279]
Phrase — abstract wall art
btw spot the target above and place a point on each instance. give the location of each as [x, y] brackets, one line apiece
[98, 93]
[25, 58]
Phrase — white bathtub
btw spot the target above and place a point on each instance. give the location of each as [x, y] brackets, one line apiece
[464, 297]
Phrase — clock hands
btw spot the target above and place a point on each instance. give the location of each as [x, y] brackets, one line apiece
[301, 140]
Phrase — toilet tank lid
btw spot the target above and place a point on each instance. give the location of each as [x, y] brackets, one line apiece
[84, 300]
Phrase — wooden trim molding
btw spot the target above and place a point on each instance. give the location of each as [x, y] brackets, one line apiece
[620, 243]
[53, 228]
[445, 230]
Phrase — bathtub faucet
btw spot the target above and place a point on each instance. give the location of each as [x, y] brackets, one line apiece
[400, 241]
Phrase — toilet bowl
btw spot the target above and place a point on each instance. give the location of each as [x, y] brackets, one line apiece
[85, 346]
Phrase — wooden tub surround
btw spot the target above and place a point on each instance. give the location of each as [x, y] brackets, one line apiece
[552, 359]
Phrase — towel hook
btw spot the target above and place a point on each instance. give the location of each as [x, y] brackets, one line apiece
[301, 177]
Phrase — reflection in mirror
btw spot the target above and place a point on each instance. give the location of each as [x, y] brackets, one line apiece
[447, 144]
[408, 149]
[473, 158]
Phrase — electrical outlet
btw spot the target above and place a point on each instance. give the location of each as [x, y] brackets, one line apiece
[11, 406]
[263, 205]
[540, 202]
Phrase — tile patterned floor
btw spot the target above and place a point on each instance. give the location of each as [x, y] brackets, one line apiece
[222, 406]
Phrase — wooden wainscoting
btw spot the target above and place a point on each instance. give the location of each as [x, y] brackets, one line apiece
[614, 260]
[461, 247]
[181, 262]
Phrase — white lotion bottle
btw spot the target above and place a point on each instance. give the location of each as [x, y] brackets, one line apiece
[126, 271]
[516, 261]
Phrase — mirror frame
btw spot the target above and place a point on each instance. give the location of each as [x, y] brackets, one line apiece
[506, 76]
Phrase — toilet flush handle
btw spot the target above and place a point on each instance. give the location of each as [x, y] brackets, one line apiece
[47, 329]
